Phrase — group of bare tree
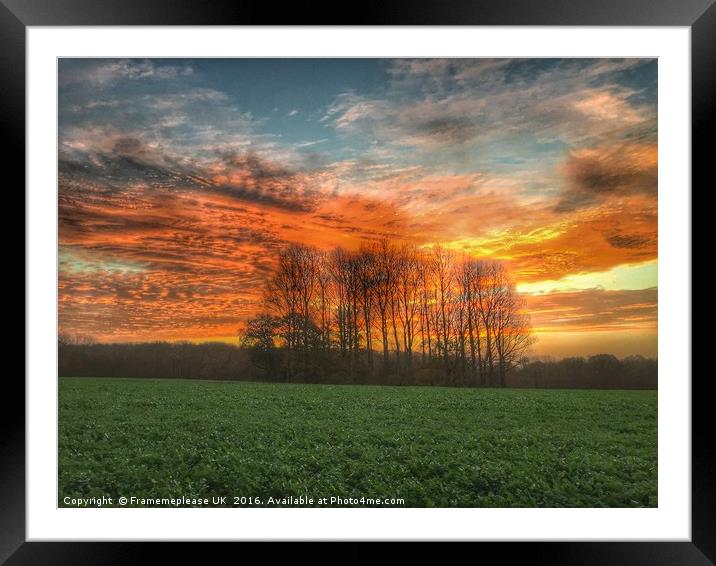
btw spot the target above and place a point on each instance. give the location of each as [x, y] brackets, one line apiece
[390, 309]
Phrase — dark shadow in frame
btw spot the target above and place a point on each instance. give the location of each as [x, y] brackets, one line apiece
[16, 15]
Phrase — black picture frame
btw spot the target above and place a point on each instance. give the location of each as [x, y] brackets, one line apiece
[17, 15]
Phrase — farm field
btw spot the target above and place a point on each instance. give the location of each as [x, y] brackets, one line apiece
[426, 446]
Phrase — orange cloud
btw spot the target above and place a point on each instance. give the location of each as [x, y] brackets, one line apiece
[178, 252]
[595, 173]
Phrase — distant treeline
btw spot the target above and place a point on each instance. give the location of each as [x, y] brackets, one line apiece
[228, 362]
[602, 371]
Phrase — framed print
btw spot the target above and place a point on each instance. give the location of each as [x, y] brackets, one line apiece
[423, 276]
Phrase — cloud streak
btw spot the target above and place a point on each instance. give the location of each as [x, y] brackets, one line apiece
[596, 173]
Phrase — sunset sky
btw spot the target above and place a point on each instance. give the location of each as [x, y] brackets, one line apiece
[180, 179]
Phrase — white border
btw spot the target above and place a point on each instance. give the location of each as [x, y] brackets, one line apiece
[670, 521]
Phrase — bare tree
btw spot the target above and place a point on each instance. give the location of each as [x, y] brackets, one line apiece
[385, 257]
[282, 298]
[512, 327]
[326, 290]
[425, 327]
[366, 276]
[486, 289]
[443, 273]
[469, 282]
[408, 294]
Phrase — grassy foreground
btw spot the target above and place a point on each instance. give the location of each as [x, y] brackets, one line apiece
[427, 446]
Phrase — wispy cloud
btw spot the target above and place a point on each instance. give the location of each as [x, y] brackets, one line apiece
[461, 101]
[595, 173]
[107, 71]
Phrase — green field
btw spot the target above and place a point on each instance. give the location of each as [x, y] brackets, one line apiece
[441, 447]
